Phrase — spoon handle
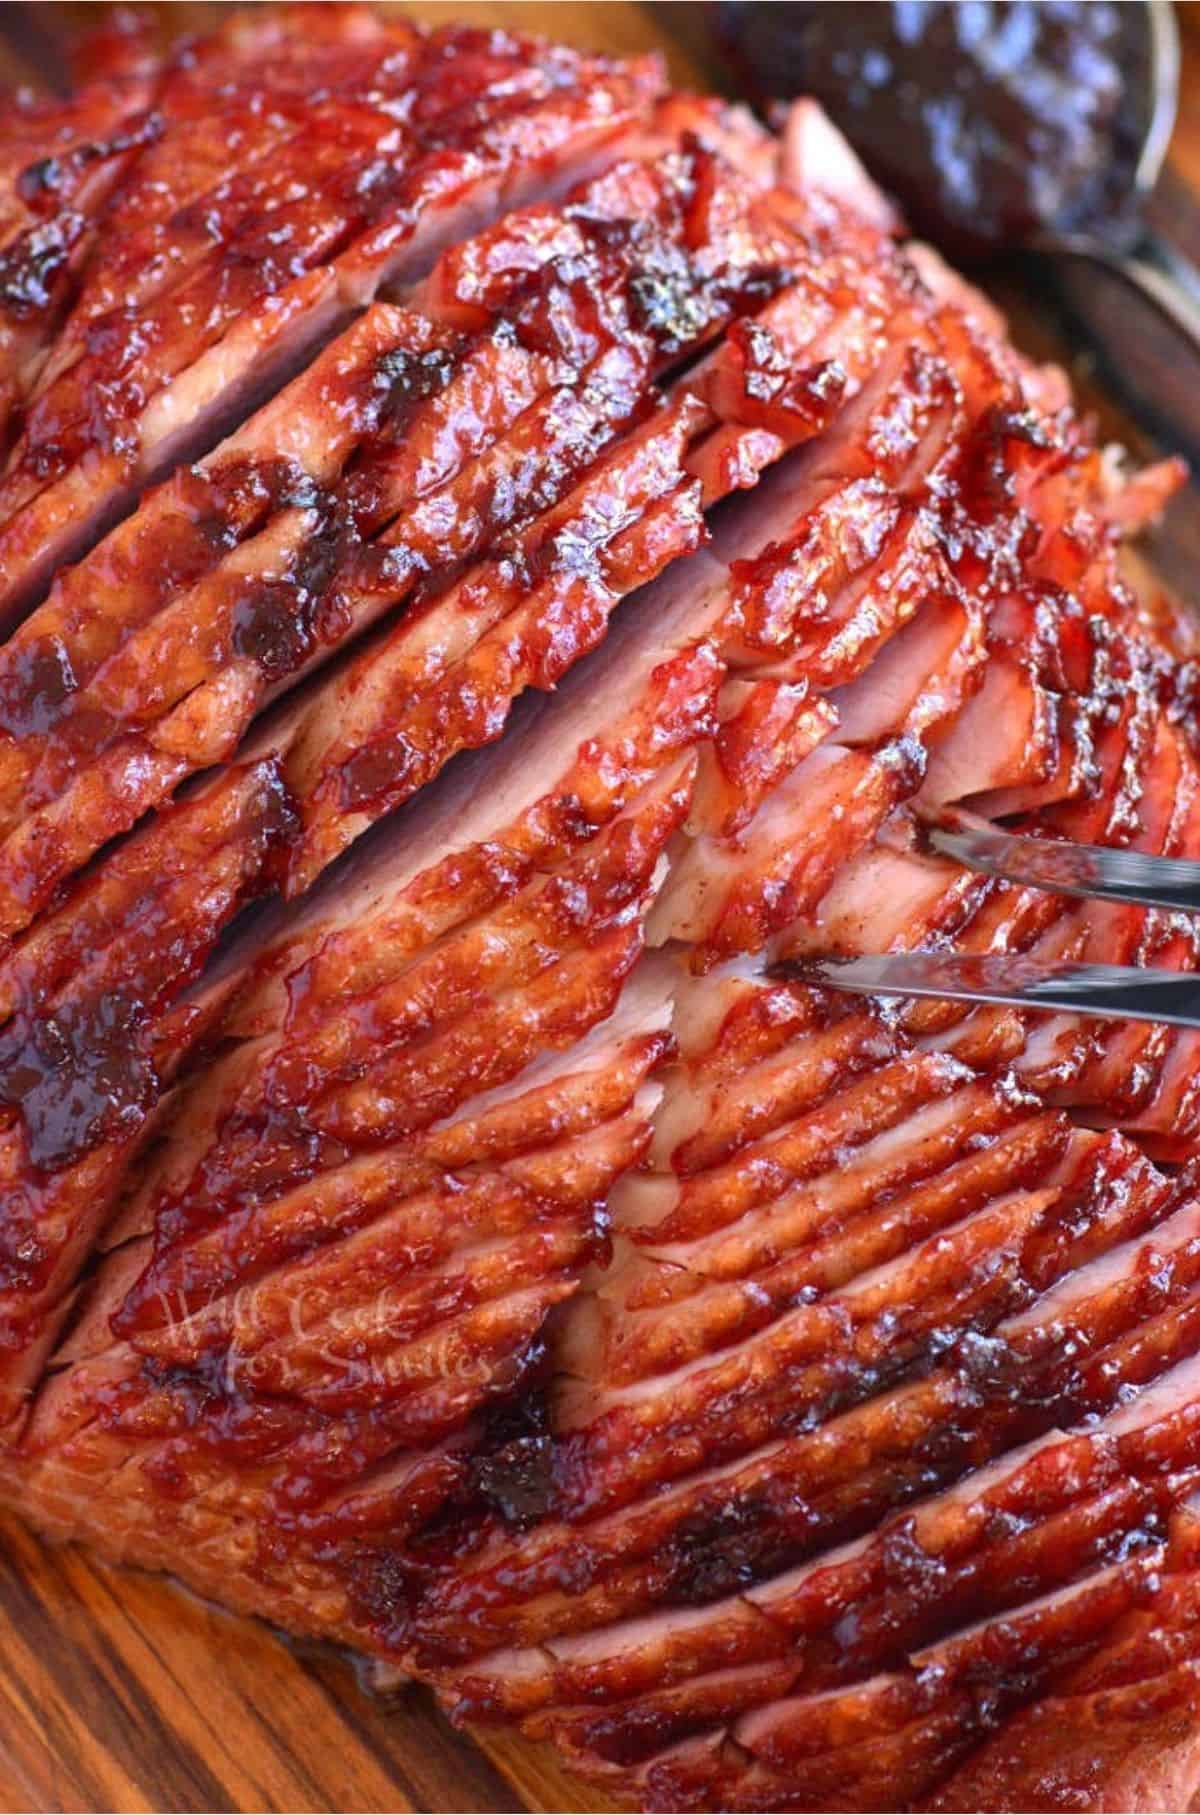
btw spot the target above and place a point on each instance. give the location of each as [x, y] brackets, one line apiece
[1151, 266]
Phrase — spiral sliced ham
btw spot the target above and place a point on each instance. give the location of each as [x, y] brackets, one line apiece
[542, 549]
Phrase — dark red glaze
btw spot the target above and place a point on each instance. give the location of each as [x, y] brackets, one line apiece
[77, 1077]
[50, 183]
[60, 163]
[773, 1400]
[989, 122]
[581, 320]
[31, 269]
[95, 1032]
[77, 1064]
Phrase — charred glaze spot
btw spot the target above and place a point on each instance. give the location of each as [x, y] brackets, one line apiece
[404, 378]
[44, 184]
[36, 687]
[669, 301]
[277, 621]
[77, 1076]
[387, 1586]
[241, 490]
[513, 1471]
[204, 1404]
[518, 1480]
[272, 626]
[991, 1365]
[40, 179]
[276, 834]
[637, 1734]
[907, 1565]
[778, 397]
[78, 1068]
[725, 1550]
[31, 267]
[24, 1261]
[564, 315]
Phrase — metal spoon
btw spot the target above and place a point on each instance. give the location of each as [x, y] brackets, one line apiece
[1002, 125]
[1124, 243]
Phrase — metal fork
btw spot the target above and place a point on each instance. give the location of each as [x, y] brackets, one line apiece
[1094, 872]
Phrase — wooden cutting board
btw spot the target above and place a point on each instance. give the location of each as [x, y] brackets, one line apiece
[118, 1691]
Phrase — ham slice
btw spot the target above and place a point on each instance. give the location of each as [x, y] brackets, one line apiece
[60, 162]
[426, 1219]
[421, 137]
[493, 431]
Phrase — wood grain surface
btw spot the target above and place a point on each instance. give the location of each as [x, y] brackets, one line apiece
[120, 1692]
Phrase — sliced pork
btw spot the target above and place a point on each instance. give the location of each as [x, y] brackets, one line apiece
[260, 246]
[504, 469]
[102, 1009]
[463, 1027]
[60, 162]
[459, 1245]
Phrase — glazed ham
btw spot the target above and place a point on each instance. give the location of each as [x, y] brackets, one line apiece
[542, 549]
[257, 248]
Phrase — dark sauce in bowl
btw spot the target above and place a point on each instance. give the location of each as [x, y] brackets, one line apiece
[989, 120]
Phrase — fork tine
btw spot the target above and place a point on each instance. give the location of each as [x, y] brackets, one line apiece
[1112, 992]
[1093, 871]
